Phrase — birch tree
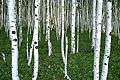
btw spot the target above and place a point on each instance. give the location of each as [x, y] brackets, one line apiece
[93, 23]
[73, 26]
[78, 17]
[108, 41]
[1, 14]
[48, 30]
[35, 72]
[64, 54]
[20, 23]
[44, 15]
[13, 37]
[97, 39]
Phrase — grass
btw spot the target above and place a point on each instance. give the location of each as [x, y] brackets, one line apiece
[80, 65]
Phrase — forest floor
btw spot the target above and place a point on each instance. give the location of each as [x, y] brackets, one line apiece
[80, 65]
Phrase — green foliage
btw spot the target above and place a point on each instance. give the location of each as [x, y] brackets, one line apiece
[80, 65]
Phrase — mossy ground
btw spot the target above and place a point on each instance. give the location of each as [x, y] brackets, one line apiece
[80, 65]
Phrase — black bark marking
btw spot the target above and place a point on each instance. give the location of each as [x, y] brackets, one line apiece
[36, 47]
[14, 45]
[110, 0]
[15, 39]
[110, 34]
[35, 42]
[35, 6]
[12, 48]
[13, 32]
[37, 19]
[35, 14]
[105, 63]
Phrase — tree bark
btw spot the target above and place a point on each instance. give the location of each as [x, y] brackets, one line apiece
[73, 26]
[14, 39]
[108, 41]
[93, 23]
[97, 39]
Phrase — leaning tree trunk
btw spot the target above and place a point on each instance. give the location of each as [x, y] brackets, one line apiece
[13, 37]
[64, 54]
[73, 26]
[108, 41]
[97, 39]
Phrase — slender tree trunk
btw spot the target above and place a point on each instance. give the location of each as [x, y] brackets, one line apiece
[20, 23]
[108, 41]
[78, 17]
[31, 51]
[93, 23]
[59, 19]
[1, 14]
[73, 26]
[44, 16]
[62, 38]
[97, 39]
[35, 73]
[48, 30]
[64, 54]
[14, 40]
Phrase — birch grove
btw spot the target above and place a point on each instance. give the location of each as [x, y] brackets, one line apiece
[39, 37]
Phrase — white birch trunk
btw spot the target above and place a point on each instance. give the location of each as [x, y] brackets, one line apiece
[59, 15]
[108, 41]
[20, 23]
[97, 39]
[78, 17]
[93, 23]
[48, 30]
[31, 51]
[1, 15]
[29, 25]
[62, 38]
[64, 54]
[27, 49]
[14, 40]
[73, 26]
[58, 22]
[35, 72]
[44, 12]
